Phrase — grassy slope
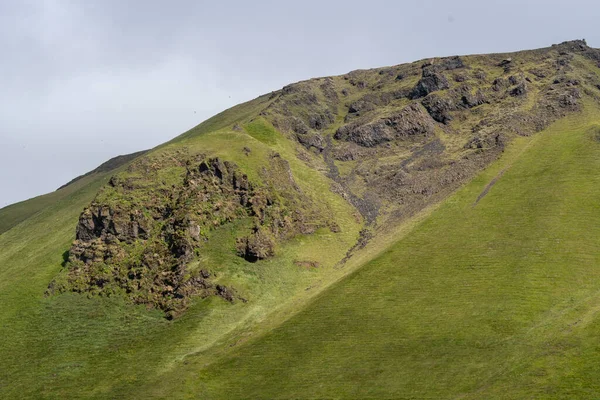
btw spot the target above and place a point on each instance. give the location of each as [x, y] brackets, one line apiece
[494, 300]
[69, 346]
[14, 214]
[470, 310]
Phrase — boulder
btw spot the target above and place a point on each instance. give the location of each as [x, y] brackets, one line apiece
[519, 90]
[431, 81]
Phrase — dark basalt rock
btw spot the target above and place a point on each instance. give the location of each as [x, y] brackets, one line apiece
[431, 81]
[450, 63]
[473, 100]
[480, 75]
[520, 90]
[368, 135]
[311, 140]
[505, 62]
[570, 98]
[410, 121]
[101, 221]
[258, 246]
[499, 84]
[439, 107]
[361, 106]
[321, 121]
[369, 102]
[299, 126]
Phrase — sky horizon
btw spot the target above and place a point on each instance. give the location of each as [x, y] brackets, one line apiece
[81, 83]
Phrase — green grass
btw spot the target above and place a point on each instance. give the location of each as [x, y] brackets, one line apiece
[497, 300]
[16, 213]
[490, 300]
[71, 346]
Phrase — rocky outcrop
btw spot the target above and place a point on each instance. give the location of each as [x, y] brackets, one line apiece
[519, 90]
[409, 122]
[311, 141]
[138, 237]
[470, 100]
[431, 81]
[439, 107]
[369, 102]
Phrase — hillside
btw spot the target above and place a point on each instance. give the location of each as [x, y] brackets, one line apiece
[18, 212]
[423, 230]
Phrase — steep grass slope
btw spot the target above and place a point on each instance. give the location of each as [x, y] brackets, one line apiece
[73, 345]
[16, 213]
[489, 299]
[468, 301]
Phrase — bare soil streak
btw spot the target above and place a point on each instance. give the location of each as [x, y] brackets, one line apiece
[489, 186]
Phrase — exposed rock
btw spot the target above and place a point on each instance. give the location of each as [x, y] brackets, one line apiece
[513, 80]
[439, 107]
[572, 46]
[137, 237]
[505, 62]
[450, 63]
[520, 90]
[431, 81]
[311, 140]
[489, 141]
[480, 75]
[369, 102]
[328, 89]
[299, 126]
[321, 121]
[538, 73]
[570, 98]
[499, 84]
[361, 105]
[258, 246]
[473, 100]
[410, 121]
[347, 152]
[367, 135]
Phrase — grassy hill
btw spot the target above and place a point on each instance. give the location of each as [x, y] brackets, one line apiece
[431, 233]
[494, 299]
[16, 213]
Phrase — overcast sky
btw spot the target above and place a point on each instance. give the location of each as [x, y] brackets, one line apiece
[84, 81]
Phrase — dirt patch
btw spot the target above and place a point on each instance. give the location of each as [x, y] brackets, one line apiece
[489, 186]
[307, 264]
[595, 133]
